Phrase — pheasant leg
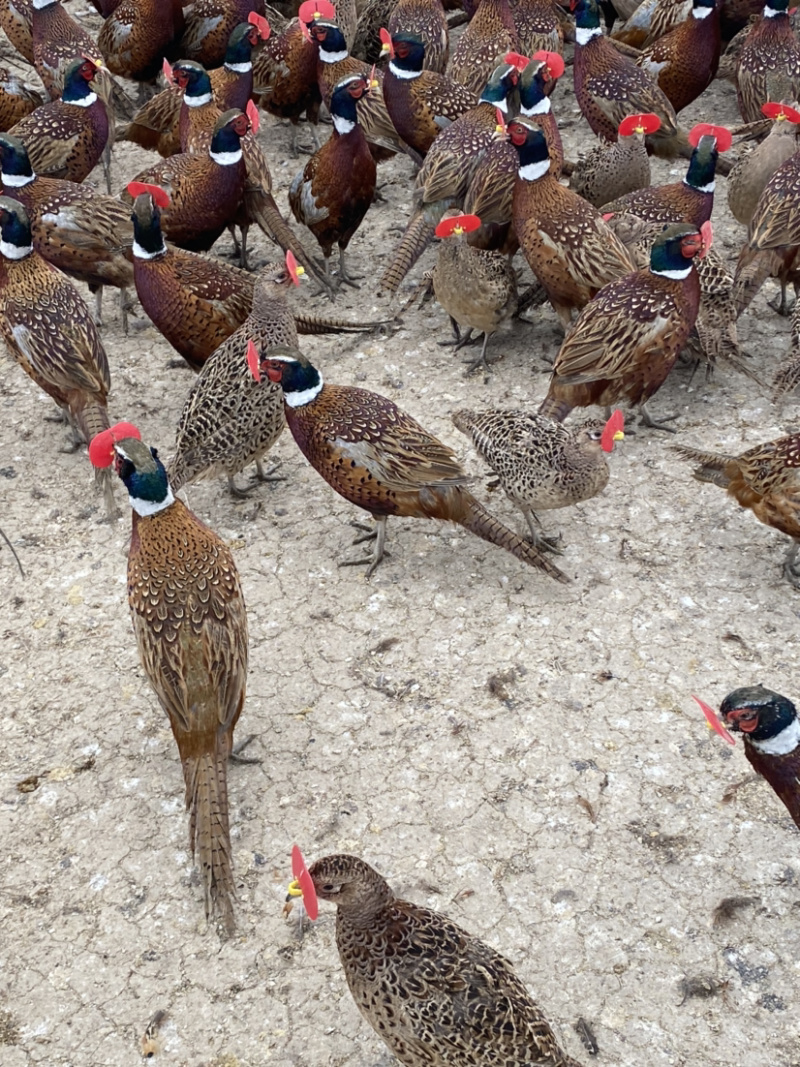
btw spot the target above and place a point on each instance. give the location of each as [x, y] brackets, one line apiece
[481, 361]
[235, 755]
[344, 277]
[781, 307]
[791, 568]
[648, 420]
[546, 544]
[268, 475]
[378, 534]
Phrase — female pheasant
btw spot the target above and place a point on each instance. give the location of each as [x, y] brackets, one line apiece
[436, 995]
[190, 623]
[382, 460]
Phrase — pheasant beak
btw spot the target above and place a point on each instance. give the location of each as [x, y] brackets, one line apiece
[618, 436]
[372, 81]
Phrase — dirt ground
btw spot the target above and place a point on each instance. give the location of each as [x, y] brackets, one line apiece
[521, 755]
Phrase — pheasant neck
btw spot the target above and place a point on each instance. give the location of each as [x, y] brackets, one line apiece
[11, 251]
[584, 34]
[238, 68]
[782, 744]
[145, 508]
[332, 57]
[406, 75]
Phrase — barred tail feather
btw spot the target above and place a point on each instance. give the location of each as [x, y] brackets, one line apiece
[419, 234]
[209, 835]
[554, 408]
[92, 419]
[266, 214]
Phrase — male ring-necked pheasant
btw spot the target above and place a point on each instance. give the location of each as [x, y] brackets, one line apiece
[190, 623]
[382, 460]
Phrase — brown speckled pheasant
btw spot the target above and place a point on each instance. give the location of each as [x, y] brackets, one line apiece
[626, 340]
[763, 479]
[424, 19]
[564, 239]
[382, 460]
[190, 624]
[753, 170]
[209, 25]
[17, 99]
[49, 331]
[80, 232]
[138, 34]
[684, 61]
[612, 170]
[16, 20]
[542, 464]
[490, 34]
[477, 289]
[538, 26]
[57, 40]
[65, 138]
[432, 992]
[229, 419]
[787, 376]
[769, 62]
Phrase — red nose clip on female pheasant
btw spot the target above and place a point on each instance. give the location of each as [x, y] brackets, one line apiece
[382, 460]
[771, 731]
[436, 995]
[190, 623]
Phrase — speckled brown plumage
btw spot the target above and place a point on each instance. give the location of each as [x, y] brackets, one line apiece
[538, 26]
[436, 995]
[540, 464]
[17, 99]
[787, 376]
[190, 623]
[763, 479]
[489, 35]
[156, 125]
[138, 34]
[64, 139]
[650, 21]
[57, 40]
[285, 78]
[380, 459]
[611, 171]
[229, 420]
[449, 169]
[426, 19]
[49, 331]
[16, 20]
[753, 169]
[626, 340]
[209, 24]
[609, 86]
[416, 105]
[769, 63]
[564, 239]
[685, 60]
[477, 289]
[74, 228]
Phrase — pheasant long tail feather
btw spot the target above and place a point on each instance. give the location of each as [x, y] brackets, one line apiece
[209, 835]
[316, 324]
[459, 505]
[752, 270]
[92, 418]
[265, 212]
[554, 408]
[419, 234]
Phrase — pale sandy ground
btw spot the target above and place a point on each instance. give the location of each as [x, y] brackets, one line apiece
[521, 755]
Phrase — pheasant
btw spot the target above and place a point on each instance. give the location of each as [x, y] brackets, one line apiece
[751, 173]
[541, 464]
[426, 20]
[209, 25]
[626, 340]
[650, 21]
[229, 420]
[684, 61]
[66, 138]
[431, 991]
[564, 239]
[608, 85]
[477, 289]
[57, 40]
[75, 229]
[488, 36]
[769, 62]
[380, 459]
[610, 171]
[190, 624]
[449, 168]
[763, 479]
[138, 34]
[771, 730]
[16, 21]
[49, 331]
[17, 99]
[197, 301]
[417, 98]
[538, 26]
[333, 193]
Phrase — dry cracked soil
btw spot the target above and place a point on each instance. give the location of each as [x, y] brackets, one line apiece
[521, 755]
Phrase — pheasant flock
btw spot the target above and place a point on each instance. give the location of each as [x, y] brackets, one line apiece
[493, 732]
